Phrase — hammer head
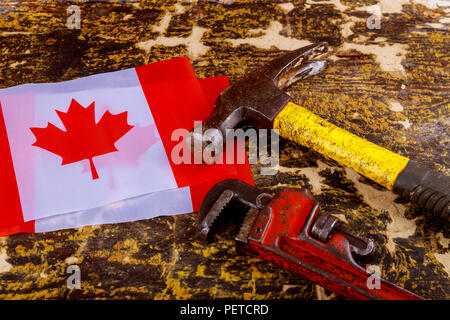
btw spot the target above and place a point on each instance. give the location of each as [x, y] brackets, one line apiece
[258, 97]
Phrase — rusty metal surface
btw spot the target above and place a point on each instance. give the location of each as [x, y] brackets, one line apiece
[389, 85]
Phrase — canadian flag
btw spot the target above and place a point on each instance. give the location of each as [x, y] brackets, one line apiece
[97, 149]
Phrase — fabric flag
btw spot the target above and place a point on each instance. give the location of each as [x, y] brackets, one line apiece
[97, 149]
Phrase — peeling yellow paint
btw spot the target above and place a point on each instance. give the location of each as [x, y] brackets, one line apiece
[226, 275]
[286, 7]
[443, 241]
[389, 6]
[388, 56]
[396, 106]
[71, 260]
[210, 251]
[193, 43]
[177, 289]
[321, 295]
[302, 126]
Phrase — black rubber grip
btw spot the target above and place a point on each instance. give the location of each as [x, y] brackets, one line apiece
[426, 188]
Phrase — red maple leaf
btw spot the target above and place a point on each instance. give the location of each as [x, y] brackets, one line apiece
[83, 138]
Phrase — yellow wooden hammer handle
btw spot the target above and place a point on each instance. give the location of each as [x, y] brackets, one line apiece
[302, 126]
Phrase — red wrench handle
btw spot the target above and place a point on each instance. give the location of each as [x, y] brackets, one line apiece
[281, 234]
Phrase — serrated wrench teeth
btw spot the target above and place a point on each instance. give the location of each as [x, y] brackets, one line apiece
[207, 224]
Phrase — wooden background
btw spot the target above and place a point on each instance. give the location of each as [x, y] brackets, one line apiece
[389, 85]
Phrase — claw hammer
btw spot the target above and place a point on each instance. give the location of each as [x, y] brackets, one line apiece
[258, 98]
